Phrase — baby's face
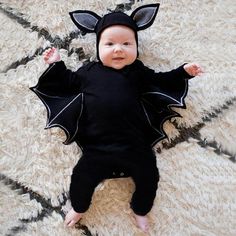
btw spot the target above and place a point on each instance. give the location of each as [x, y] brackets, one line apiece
[117, 47]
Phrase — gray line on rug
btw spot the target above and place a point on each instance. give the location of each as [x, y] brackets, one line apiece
[8, 11]
[217, 149]
[55, 41]
[16, 229]
[47, 207]
[124, 6]
[194, 132]
[42, 32]
[79, 51]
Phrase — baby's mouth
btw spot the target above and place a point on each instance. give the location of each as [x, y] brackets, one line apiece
[118, 58]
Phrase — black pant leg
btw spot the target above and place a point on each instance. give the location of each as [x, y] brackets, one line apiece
[146, 177]
[85, 177]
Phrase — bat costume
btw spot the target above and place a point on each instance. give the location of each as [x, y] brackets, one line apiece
[115, 116]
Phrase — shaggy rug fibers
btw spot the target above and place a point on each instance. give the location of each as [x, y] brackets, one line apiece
[197, 189]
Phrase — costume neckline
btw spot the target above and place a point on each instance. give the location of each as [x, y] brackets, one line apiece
[124, 70]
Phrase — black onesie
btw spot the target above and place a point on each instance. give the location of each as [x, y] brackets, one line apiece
[116, 117]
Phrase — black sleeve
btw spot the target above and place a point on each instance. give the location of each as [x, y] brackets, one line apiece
[57, 80]
[178, 73]
[158, 78]
[173, 83]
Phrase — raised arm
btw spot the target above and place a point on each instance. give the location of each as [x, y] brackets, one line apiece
[170, 80]
[186, 71]
[60, 91]
[57, 79]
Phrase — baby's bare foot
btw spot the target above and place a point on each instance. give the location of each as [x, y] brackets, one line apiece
[72, 218]
[142, 222]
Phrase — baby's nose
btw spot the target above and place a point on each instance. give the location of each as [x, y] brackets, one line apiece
[118, 48]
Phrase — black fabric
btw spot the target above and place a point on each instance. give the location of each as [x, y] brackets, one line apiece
[115, 18]
[140, 19]
[92, 169]
[62, 99]
[116, 116]
[133, 97]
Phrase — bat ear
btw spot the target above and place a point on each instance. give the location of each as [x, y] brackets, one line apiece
[85, 20]
[144, 16]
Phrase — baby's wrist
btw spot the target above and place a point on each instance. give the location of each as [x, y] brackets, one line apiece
[51, 61]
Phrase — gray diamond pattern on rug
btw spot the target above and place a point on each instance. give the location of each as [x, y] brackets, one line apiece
[196, 194]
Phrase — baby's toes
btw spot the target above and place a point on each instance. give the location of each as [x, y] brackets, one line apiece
[71, 223]
[144, 227]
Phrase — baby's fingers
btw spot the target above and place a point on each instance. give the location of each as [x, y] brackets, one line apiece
[49, 51]
[52, 50]
[46, 54]
[199, 70]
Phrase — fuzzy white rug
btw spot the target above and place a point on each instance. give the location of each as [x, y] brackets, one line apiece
[197, 190]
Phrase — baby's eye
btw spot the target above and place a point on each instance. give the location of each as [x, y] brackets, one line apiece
[127, 43]
[109, 44]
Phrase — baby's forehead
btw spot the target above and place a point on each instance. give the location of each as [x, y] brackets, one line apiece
[120, 30]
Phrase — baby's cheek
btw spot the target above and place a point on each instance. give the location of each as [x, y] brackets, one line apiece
[105, 58]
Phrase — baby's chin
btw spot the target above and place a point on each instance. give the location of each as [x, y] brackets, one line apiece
[118, 66]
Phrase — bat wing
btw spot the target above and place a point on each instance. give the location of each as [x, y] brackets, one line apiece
[64, 107]
[157, 104]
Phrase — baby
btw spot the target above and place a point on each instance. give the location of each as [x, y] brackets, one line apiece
[113, 108]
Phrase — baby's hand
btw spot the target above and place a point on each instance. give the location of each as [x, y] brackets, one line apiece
[193, 69]
[51, 55]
